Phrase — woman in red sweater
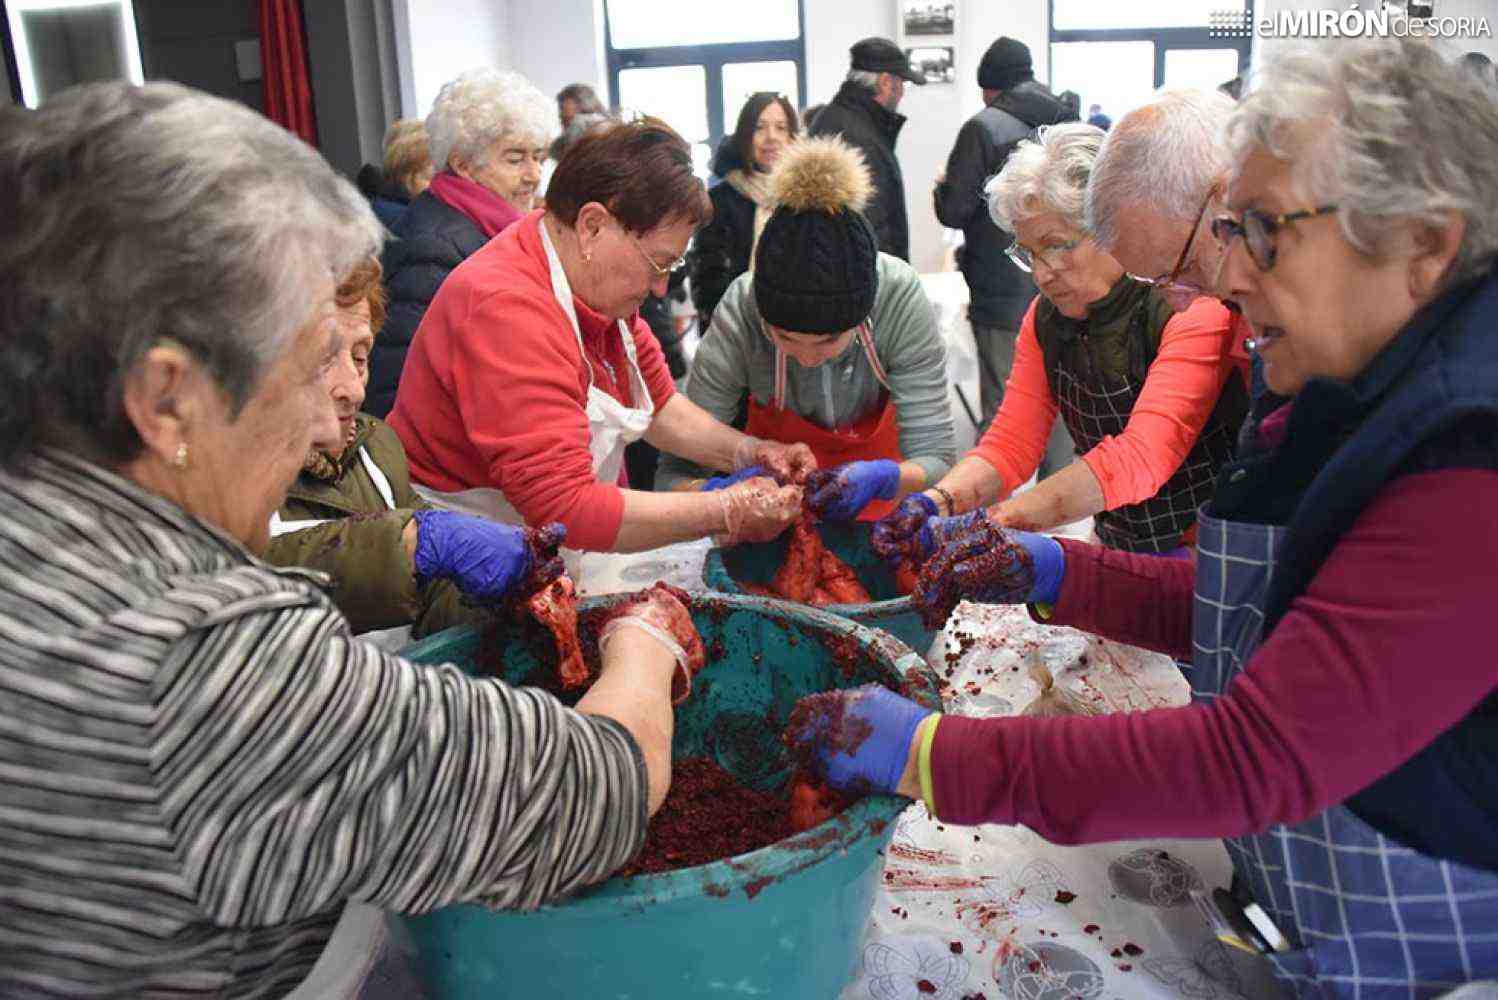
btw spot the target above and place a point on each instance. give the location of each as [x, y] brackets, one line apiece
[532, 369]
[1151, 397]
[1344, 737]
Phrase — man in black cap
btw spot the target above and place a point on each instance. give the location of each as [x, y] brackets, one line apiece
[999, 292]
[863, 113]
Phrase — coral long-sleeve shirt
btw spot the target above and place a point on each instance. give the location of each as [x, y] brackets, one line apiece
[494, 391]
[1386, 649]
[1196, 356]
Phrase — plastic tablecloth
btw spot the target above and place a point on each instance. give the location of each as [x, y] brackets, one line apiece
[996, 911]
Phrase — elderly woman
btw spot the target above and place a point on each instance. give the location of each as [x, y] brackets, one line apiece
[533, 370]
[1153, 400]
[488, 131]
[830, 343]
[399, 569]
[723, 249]
[1346, 735]
[202, 765]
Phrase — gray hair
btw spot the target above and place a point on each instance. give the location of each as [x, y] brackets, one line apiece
[485, 106]
[1164, 156]
[130, 216]
[1045, 176]
[864, 78]
[1387, 129]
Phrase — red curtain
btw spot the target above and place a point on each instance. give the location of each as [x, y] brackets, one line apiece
[285, 86]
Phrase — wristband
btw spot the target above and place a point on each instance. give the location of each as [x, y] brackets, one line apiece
[951, 504]
[927, 736]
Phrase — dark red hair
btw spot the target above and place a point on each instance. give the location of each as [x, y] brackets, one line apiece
[641, 171]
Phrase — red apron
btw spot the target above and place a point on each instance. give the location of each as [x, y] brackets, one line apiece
[875, 436]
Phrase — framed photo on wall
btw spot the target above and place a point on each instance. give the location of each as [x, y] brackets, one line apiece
[928, 17]
[935, 62]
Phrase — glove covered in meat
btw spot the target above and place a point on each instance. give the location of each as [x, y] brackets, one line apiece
[660, 611]
[842, 493]
[757, 510]
[984, 562]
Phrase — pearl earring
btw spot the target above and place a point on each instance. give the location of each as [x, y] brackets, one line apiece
[180, 459]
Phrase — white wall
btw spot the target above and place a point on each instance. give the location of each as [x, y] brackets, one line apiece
[557, 42]
[437, 41]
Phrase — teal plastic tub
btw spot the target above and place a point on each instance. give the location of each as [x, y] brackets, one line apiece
[785, 921]
[849, 541]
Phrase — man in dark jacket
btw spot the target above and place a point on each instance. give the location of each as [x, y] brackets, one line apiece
[863, 113]
[432, 239]
[999, 292]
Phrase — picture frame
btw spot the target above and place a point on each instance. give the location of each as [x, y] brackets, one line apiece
[928, 17]
[936, 62]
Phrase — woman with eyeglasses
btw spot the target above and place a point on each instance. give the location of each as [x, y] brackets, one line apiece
[1345, 733]
[1151, 398]
[533, 369]
[830, 344]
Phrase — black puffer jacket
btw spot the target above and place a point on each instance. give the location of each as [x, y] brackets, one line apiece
[432, 238]
[999, 291]
[720, 250]
[865, 123]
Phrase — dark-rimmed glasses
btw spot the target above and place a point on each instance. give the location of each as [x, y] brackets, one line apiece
[1258, 230]
[1175, 272]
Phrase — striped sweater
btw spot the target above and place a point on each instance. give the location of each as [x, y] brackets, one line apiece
[199, 765]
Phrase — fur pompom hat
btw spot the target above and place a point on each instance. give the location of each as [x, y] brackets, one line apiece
[816, 266]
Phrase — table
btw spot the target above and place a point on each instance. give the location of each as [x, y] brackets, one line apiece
[995, 911]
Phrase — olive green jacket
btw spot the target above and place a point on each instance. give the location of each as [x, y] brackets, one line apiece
[360, 545]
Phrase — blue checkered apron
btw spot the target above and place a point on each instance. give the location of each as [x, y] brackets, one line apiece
[1368, 918]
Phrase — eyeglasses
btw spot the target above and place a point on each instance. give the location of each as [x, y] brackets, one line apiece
[660, 272]
[1024, 258]
[1258, 230]
[1175, 272]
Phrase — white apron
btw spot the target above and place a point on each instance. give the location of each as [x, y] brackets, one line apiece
[391, 639]
[611, 426]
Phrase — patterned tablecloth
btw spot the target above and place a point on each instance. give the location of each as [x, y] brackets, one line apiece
[995, 911]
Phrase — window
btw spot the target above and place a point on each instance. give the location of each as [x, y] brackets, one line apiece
[694, 64]
[1117, 55]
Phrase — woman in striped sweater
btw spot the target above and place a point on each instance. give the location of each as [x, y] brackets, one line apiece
[200, 767]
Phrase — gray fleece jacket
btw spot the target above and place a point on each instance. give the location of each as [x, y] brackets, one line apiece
[737, 358]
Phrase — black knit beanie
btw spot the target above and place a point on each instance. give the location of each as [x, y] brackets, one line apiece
[1005, 64]
[816, 268]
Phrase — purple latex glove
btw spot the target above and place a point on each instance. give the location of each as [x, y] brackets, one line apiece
[857, 740]
[484, 558]
[987, 563]
[913, 531]
[723, 482]
[840, 493]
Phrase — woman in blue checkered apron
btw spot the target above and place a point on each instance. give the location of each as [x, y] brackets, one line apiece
[1344, 736]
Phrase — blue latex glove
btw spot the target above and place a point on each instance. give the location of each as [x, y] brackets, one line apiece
[987, 563]
[858, 739]
[914, 531]
[484, 558]
[839, 494]
[723, 482]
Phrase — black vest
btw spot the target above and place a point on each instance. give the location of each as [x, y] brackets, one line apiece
[1096, 368]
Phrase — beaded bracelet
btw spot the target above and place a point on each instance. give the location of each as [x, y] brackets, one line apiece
[951, 504]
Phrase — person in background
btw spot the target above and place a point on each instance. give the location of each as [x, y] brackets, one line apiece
[724, 248]
[209, 782]
[999, 291]
[1072, 102]
[1345, 733]
[578, 99]
[533, 371]
[407, 171]
[1152, 398]
[399, 570]
[863, 114]
[829, 343]
[488, 132]
[1097, 119]
[1480, 66]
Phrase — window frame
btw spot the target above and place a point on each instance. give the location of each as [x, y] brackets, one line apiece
[1163, 38]
[712, 57]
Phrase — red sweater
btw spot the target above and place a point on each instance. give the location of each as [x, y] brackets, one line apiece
[494, 389]
[1385, 650]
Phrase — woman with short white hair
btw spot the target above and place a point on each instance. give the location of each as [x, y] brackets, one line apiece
[1338, 615]
[488, 132]
[1152, 399]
